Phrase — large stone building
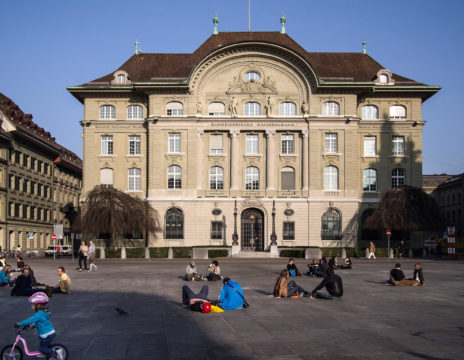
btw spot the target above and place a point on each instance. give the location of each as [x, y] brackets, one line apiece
[37, 177]
[250, 125]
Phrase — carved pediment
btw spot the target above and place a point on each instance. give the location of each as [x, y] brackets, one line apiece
[261, 86]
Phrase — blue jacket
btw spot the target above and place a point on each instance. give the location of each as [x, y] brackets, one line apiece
[229, 299]
[3, 277]
[41, 321]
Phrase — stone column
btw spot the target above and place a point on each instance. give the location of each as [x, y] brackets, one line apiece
[270, 160]
[305, 157]
[235, 160]
[200, 158]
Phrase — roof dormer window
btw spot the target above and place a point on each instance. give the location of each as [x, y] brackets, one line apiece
[121, 79]
[384, 77]
[252, 76]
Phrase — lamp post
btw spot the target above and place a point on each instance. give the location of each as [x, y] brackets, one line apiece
[274, 249]
[235, 234]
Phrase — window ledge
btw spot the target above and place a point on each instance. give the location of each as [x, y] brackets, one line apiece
[217, 155]
[331, 154]
[107, 156]
[252, 155]
[399, 156]
[370, 156]
[174, 153]
[134, 156]
[371, 192]
[134, 191]
[288, 155]
[293, 240]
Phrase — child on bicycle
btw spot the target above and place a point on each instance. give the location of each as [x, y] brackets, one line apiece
[41, 321]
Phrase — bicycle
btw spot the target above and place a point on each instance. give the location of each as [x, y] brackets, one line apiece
[14, 352]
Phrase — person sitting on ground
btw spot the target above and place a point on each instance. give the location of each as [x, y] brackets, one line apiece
[347, 264]
[23, 285]
[312, 268]
[214, 271]
[333, 262]
[2, 262]
[322, 269]
[191, 273]
[397, 277]
[285, 288]
[333, 284]
[5, 276]
[232, 296]
[292, 269]
[195, 301]
[418, 274]
[19, 263]
[64, 286]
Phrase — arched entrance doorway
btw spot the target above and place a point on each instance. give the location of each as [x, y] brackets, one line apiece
[252, 221]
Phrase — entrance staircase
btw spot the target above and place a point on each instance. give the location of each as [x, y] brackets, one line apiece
[255, 255]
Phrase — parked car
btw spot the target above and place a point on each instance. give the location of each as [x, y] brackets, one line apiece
[63, 250]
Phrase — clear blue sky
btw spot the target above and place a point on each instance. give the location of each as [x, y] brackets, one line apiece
[49, 45]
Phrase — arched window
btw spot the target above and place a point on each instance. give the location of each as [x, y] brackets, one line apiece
[134, 112]
[252, 109]
[252, 178]
[106, 176]
[370, 112]
[216, 178]
[331, 225]
[397, 112]
[174, 108]
[252, 76]
[216, 109]
[135, 179]
[174, 177]
[383, 79]
[107, 112]
[330, 178]
[331, 108]
[121, 79]
[370, 180]
[287, 108]
[287, 176]
[174, 224]
[398, 178]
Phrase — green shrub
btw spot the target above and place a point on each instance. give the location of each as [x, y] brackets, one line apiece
[217, 253]
[292, 253]
[159, 252]
[133, 253]
[97, 253]
[182, 252]
[331, 251]
[355, 252]
[113, 253]
[417, 252]
[381, 252]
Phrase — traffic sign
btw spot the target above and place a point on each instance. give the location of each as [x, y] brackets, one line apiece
[53, 237]
[389, 232]
[31, 235]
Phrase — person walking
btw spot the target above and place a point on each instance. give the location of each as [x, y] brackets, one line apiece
[371, 251]
[83, 254]
[92, 256]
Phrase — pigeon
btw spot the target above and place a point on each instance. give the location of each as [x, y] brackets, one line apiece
[121, 311]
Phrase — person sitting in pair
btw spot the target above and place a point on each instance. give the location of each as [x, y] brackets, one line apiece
[333, 284]
[333, 262]
[20, 263]
[23, 285]
[232, 296]
[419, 274]
[194, 301]
[284, 288]
[63, 287]
[191, 273]
[347, 264]
[31, 273]
[321, 271]
[292, 269]
[397, 277]
[214, 271]
[5, 276]
[312, 268]
[2, 262]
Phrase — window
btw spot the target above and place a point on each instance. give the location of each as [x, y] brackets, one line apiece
[134, 112]
[135, 179]
[10, 208]
[45, 215]
[17, 208]
[252, 178]
[216, 178]
[215, 144]
[39, 214]
[287, 109]
[106, 176]
[33, 187]
[121, 79]
[107, 112]
[107, 145]
[252, 76]
[397, 112]
[32, 212]
[39, 189]
[252, 109]
[288, 230]
[174, 108]
[370, 180]
[17, 157]
[11, 181]
[287, 177]
[25, 159]
[288, 144]
[25, 184]
[39, 165]
[216, 109]
[174, 225]
[33, 161]
[174, 177]
[331, 108]
[370, 112]
[134, 145]
[46, 191]
[174, 143]
[398, 178]
[331, 225]
[383, 79]
[369, 145]
[331, 143]
[252, 143]
[46, 167]
[216, 230]
[330, 178]
[398, 146]
[25, 209]
[17, 183]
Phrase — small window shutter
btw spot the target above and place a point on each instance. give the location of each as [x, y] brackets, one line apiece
[216, 107]
[216, 142]
[288, 179]
[106, 176]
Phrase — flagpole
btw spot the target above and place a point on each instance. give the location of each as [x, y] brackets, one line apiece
[249, 16]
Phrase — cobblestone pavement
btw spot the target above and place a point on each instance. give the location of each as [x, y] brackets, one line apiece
[372, 321]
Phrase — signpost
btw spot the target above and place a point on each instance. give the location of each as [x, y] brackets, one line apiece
[451, 242]
[54, 241]
[389, 234]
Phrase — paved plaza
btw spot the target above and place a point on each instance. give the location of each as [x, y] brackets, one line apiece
[372, 321]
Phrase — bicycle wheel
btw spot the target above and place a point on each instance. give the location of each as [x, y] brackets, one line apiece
[60, 349]
[17, 353]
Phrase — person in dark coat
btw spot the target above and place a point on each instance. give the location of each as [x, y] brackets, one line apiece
[23, 285]
[333, 284]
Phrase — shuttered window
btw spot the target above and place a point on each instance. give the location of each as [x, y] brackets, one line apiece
[215, 143]
[288, 178]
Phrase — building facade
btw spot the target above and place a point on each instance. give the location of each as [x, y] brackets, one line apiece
[253, 139]
[37, 177]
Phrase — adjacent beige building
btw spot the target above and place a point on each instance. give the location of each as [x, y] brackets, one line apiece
[251, 125]
[37, 177]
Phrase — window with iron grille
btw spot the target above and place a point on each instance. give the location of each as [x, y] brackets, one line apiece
[174, 224]
[288, 144]
[288, 230]
[331, 225]
[216, 230]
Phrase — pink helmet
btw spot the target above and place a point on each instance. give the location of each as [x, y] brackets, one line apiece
[38, 298]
